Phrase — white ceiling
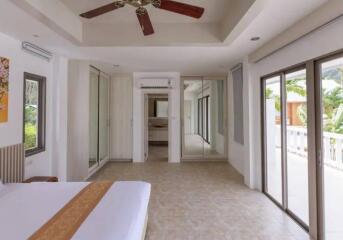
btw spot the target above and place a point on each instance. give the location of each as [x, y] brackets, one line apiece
[215, 11]
[276, 16]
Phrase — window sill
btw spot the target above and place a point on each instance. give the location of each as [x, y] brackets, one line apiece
[32, 152]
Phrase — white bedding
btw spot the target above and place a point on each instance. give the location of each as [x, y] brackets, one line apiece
[120, 215]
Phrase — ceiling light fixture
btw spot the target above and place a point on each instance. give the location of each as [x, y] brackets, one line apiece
[35, 35]
[116, 65]
[254, 39]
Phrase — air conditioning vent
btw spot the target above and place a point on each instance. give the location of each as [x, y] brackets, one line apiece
[145, 87]
[155, 83]
[37, 51]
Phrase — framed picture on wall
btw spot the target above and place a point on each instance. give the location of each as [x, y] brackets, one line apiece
[4, 78]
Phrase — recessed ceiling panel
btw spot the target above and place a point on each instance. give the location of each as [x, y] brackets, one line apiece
[215, 11]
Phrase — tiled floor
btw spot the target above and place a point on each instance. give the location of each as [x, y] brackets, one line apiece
[204, 201]
[158, 153]
[196, 145]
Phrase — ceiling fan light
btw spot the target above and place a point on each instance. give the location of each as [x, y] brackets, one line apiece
[141, 11]
[156, 3]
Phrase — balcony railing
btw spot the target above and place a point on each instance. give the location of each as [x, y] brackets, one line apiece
[297, 144]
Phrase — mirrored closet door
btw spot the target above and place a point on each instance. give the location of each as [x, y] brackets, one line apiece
[203, 112]
[98, 118]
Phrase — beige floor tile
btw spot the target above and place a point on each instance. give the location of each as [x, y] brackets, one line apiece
[204, 201]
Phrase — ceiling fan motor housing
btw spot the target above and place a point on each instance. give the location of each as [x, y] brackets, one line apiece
[139, 3]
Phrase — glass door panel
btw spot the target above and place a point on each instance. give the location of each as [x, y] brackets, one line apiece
[273, 154]
[104, 118]
[332, 146]
[215, 121]
[93, 119]
[296, 154]
[204, 130]
[193, 120]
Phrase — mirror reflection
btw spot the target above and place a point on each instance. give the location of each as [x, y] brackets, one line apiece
[203, 118]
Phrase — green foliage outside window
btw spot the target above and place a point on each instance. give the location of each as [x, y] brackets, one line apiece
[31, 130]
[332, 100]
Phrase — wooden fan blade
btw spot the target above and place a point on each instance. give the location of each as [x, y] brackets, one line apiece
[144, 21]
[102, 10]
[181, 8]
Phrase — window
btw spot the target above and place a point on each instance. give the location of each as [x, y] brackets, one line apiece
[161, 108]
[34, 113]
[220, 90]
[237, 81]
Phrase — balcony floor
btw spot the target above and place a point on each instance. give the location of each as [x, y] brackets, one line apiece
[298, 195]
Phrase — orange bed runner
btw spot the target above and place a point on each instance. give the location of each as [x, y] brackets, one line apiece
[64, 224]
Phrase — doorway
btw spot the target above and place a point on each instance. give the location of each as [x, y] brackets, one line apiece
[156, 119]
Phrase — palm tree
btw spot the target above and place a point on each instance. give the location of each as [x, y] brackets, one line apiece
[333, 110]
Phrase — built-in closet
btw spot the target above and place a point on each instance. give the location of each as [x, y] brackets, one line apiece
[204, 122]
[99, 115]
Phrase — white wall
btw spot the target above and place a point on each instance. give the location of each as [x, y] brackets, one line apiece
[78, 120]
[12, 131]
[121, 117]
[60, 119]
[318, 43]
[174, 115]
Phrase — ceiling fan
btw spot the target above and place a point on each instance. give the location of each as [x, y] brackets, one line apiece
[142, 13]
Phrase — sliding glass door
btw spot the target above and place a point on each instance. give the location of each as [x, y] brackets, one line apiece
[273, 154]
[285, 142]
[331, 134]
[297, 149]
[303, 144]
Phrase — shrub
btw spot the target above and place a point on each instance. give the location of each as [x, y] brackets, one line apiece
[30, 136]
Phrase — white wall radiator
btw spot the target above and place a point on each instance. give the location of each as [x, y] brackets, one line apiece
[12, 163]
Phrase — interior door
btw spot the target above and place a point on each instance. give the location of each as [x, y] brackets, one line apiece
[204, 122]
[146, 127]
[93, 118]
[104, 116]
[193, 143]
[188, 117]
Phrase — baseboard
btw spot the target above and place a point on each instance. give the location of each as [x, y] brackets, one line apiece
[207, 160]
[120, 160]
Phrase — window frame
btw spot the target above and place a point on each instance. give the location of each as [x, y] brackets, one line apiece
[41, 134]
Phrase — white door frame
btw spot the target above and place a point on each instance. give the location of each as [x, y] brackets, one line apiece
[174, 151]
[170, 141]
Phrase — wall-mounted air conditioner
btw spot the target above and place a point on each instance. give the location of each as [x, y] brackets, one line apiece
[37, 51]
[154, 83]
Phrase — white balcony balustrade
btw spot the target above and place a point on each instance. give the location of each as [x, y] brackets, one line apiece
[297, 144]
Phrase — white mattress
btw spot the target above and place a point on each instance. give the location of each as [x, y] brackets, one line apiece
[120, 215]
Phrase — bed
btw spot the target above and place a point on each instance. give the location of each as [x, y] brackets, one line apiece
[121, 214]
